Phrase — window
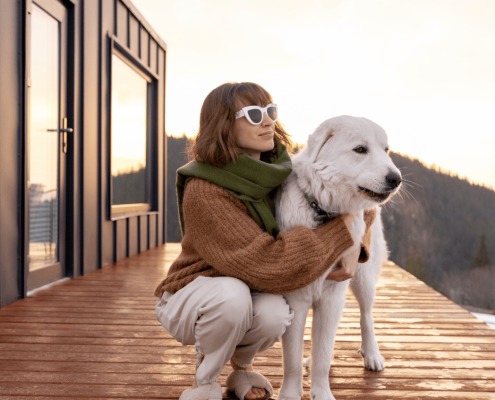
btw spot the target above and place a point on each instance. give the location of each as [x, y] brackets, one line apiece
[132, 167]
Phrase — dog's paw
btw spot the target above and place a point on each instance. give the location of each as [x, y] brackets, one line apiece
[372, 360]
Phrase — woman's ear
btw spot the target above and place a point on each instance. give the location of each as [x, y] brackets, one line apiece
[317, 140]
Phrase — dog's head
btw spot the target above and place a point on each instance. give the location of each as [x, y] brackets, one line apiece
[347, 158]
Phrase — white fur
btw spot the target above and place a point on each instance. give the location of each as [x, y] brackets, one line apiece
[331, 171]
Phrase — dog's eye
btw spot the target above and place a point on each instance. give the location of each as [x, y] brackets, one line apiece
[361, 150]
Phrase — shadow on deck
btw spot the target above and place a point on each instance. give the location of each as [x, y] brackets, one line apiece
[97, 337]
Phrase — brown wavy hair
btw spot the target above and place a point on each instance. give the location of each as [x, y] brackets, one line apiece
[215, 142]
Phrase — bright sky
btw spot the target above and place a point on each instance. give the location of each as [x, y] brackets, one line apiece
[423, 69]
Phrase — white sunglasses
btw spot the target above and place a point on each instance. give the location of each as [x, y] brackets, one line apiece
[254, 114]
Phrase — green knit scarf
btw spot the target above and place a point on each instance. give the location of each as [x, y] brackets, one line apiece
[252, 181]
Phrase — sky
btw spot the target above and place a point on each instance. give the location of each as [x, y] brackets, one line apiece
[424, 69]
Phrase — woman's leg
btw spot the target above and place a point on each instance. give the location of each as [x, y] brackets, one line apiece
[212, 313]
[271, 317]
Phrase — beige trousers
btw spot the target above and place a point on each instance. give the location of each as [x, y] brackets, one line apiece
[224, 320]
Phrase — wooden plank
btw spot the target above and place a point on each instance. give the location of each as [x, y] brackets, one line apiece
[168, 346]
[388, 383]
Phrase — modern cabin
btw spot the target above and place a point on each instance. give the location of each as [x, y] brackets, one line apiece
[82, 139]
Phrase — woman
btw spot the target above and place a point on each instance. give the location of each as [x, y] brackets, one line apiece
[223, 293]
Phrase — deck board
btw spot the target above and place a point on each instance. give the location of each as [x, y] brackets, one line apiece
[97, 337]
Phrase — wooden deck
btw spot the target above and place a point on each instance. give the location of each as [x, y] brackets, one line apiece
[97, 337]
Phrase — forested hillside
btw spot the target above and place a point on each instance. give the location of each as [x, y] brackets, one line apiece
[434, 230]
[176, 158]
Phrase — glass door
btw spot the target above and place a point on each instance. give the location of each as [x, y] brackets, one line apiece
[47, 143]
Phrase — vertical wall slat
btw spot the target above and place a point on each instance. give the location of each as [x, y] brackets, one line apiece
[143, 233]
[122, 20]
[161, 142]
[144, 44]
[121, 239]
[152, 231]
[11, 131]
[153, 54]
[133, 236]
[107, 229]
[89, 137]
[134, 36]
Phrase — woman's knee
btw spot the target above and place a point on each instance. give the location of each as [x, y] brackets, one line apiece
[234, 300]
[272, 315]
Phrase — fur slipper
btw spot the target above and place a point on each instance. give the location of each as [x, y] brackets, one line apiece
[240, 382]
[213, 391]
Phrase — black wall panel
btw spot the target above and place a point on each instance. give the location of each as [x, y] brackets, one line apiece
[143, 233]
[11, 97]
[108, 8]
[153, 55]
[134, 39]
[120, 239]
[75, 235]
[152, 231]
[89, 137]
[94, 239]
[132, 234]
[145, 43]
[122, 22]
[161, 139]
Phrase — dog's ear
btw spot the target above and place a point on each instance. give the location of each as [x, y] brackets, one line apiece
[317, 140]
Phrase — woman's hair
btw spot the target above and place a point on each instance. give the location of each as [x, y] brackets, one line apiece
[215, 142]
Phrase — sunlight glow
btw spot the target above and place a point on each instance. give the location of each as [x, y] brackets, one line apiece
[421, 69]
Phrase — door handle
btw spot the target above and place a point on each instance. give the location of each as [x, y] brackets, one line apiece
[60, 130]
[64, 130]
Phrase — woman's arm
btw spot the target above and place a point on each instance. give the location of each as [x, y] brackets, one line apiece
[228, 239]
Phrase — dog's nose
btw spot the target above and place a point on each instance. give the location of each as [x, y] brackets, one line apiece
[393, 180]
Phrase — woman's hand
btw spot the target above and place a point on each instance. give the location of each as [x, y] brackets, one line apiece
[348, 265]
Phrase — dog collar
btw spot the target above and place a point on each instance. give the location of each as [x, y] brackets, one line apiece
[320, 214]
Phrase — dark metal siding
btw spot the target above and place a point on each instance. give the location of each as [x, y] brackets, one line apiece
[10, 128]
[93, 239]
[89, 138]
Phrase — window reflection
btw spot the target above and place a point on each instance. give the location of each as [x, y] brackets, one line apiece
[43, 144]
[129, 134]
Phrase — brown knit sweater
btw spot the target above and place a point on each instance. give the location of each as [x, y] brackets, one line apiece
[221, 239]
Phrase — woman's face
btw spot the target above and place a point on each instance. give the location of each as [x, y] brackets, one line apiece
[254, 139]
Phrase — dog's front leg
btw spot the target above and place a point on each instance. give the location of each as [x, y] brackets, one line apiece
[326, 317]
[292, 345]
[363, 287]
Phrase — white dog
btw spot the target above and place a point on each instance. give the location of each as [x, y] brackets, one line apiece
[346, 168]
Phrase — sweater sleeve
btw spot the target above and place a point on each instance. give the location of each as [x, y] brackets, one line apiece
[229, 240]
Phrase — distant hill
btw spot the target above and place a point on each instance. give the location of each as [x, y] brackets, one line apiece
[433, 228]
[176, 158]
[435, 232]
[443, 217]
